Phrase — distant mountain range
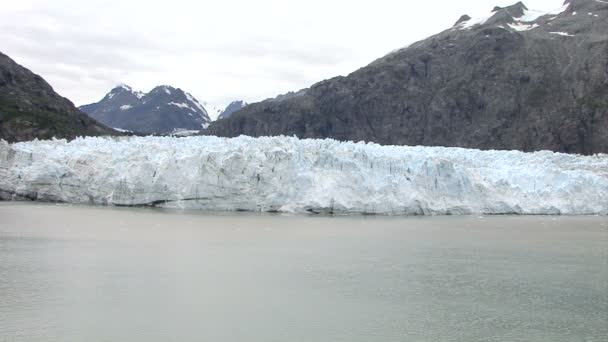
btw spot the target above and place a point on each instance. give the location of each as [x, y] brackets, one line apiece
[30, 108]
[513, 79]
[164, 110]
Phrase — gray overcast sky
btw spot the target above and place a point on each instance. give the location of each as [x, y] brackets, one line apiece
[217, 50]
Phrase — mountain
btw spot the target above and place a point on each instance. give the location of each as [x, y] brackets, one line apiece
[231, 108]
[30, 108]
[163, 110]
[515, 79]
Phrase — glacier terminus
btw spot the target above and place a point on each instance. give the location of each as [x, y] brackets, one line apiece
[286, 174]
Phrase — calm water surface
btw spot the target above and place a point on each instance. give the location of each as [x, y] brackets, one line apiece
[99, 274]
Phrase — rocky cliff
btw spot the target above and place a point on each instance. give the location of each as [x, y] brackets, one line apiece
[515, 79]
[30, 108]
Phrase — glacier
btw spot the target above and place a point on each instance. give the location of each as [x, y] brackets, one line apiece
[286, 174]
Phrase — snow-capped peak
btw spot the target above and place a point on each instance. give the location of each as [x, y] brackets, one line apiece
[125, 88]
[161, 110]
[164, 89]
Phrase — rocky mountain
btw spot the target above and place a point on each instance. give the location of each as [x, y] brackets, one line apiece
[515, 79]
[163, 110]
[30, 108]
[231, 108]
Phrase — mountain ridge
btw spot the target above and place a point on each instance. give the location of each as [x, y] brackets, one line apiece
[31, 109]
[517, 79]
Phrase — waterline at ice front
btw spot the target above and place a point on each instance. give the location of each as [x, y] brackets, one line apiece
[284, 174]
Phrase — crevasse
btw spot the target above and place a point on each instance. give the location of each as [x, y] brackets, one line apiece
[285, 174]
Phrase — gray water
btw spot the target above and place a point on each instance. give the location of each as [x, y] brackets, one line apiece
[99, 274]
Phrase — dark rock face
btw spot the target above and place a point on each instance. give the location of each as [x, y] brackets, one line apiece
[231, 108]
[30, 108]
[505, 83]
[163, 110]
[463, 19]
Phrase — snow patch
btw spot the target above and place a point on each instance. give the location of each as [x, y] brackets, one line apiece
[197, 105]
[125, 107]
[181, 105]
[474, 22]
[532, 15]
[523, 27]
[290, 175]
[121, 130]
[565, 34]
[125, 87]
[523, 23]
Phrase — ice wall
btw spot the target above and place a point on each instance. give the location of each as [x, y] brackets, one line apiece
[290, 175]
